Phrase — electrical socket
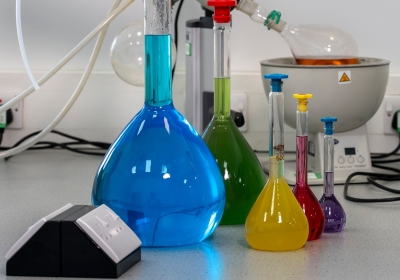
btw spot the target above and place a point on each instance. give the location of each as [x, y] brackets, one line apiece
[239, 104]
[17, 109]
[391, 104]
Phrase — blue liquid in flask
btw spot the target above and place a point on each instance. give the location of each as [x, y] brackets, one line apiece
[159, 175]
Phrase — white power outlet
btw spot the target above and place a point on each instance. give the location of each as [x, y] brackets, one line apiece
[391, 105]
[239, 104]
[17, 109]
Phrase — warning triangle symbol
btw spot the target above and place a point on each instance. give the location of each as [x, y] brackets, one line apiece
[344, 78]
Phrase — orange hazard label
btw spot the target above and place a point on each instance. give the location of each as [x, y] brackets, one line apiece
[344, 78]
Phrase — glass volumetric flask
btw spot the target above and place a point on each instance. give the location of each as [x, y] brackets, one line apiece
[304, 195]
[158, 175]
[335, 217]
[310, 44]
[276, 222]
[242, 173]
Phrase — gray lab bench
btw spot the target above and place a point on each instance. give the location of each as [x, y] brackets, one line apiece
[36, 183]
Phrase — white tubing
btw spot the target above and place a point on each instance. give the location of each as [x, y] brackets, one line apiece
[67, 58]
[22, 45]
[70, 102]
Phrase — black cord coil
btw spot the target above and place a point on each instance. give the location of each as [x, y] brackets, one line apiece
[95, 148]
[373, 177]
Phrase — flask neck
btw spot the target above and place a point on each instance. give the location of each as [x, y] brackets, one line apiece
[302, 123]
[276, 168]
[329, 142]
[222, 86]
[301, 161]
[221, 50]
[276, 125]
[158, 52]
[157, 17]
[279, 27]
[301, 148]
[158, 67]
[222, 98]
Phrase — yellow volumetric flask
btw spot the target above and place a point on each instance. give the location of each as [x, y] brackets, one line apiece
[276, 221]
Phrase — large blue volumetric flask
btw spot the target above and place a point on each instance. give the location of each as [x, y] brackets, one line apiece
[159, 175]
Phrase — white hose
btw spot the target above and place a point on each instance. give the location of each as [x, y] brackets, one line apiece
[22, 45]
[73, 98]
[67, 58]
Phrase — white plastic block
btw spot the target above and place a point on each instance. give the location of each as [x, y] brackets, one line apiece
[33, 229]
[109, 232]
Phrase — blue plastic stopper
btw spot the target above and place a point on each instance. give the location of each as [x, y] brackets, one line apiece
[276, 81]
[329, 124]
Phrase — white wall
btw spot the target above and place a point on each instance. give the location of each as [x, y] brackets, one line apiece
[52, 28]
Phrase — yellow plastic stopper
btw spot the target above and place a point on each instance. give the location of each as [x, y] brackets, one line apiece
[302, 101]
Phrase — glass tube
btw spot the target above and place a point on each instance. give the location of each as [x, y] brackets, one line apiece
[329, 143]
[276, 125]
[222, 92]
[158, 52]
[301, 147]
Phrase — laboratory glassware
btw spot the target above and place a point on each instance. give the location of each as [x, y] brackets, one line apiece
[309, 44]
[276, 221]
[127, 53]
[242, 173]
[158, 175]
[304, 195]
[335, 217]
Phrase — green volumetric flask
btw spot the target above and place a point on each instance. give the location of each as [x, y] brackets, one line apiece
[242, 173]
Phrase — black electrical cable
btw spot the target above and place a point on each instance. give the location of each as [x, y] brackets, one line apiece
[383, 177]
[178, 11]
[392, 153]
[99, 145]
[82, 141]
[98, 149]
[386, 167]
[1, 134]
[387, 161]
[8, 119]
[372, 178]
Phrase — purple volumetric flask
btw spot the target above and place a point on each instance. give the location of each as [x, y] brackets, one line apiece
[335, 217]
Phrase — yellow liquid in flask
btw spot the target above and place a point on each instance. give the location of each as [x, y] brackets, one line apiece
[276, 222]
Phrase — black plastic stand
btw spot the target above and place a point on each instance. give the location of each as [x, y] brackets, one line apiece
[60, 248]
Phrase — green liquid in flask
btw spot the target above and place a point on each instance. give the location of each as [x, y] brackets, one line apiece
[241, 171]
